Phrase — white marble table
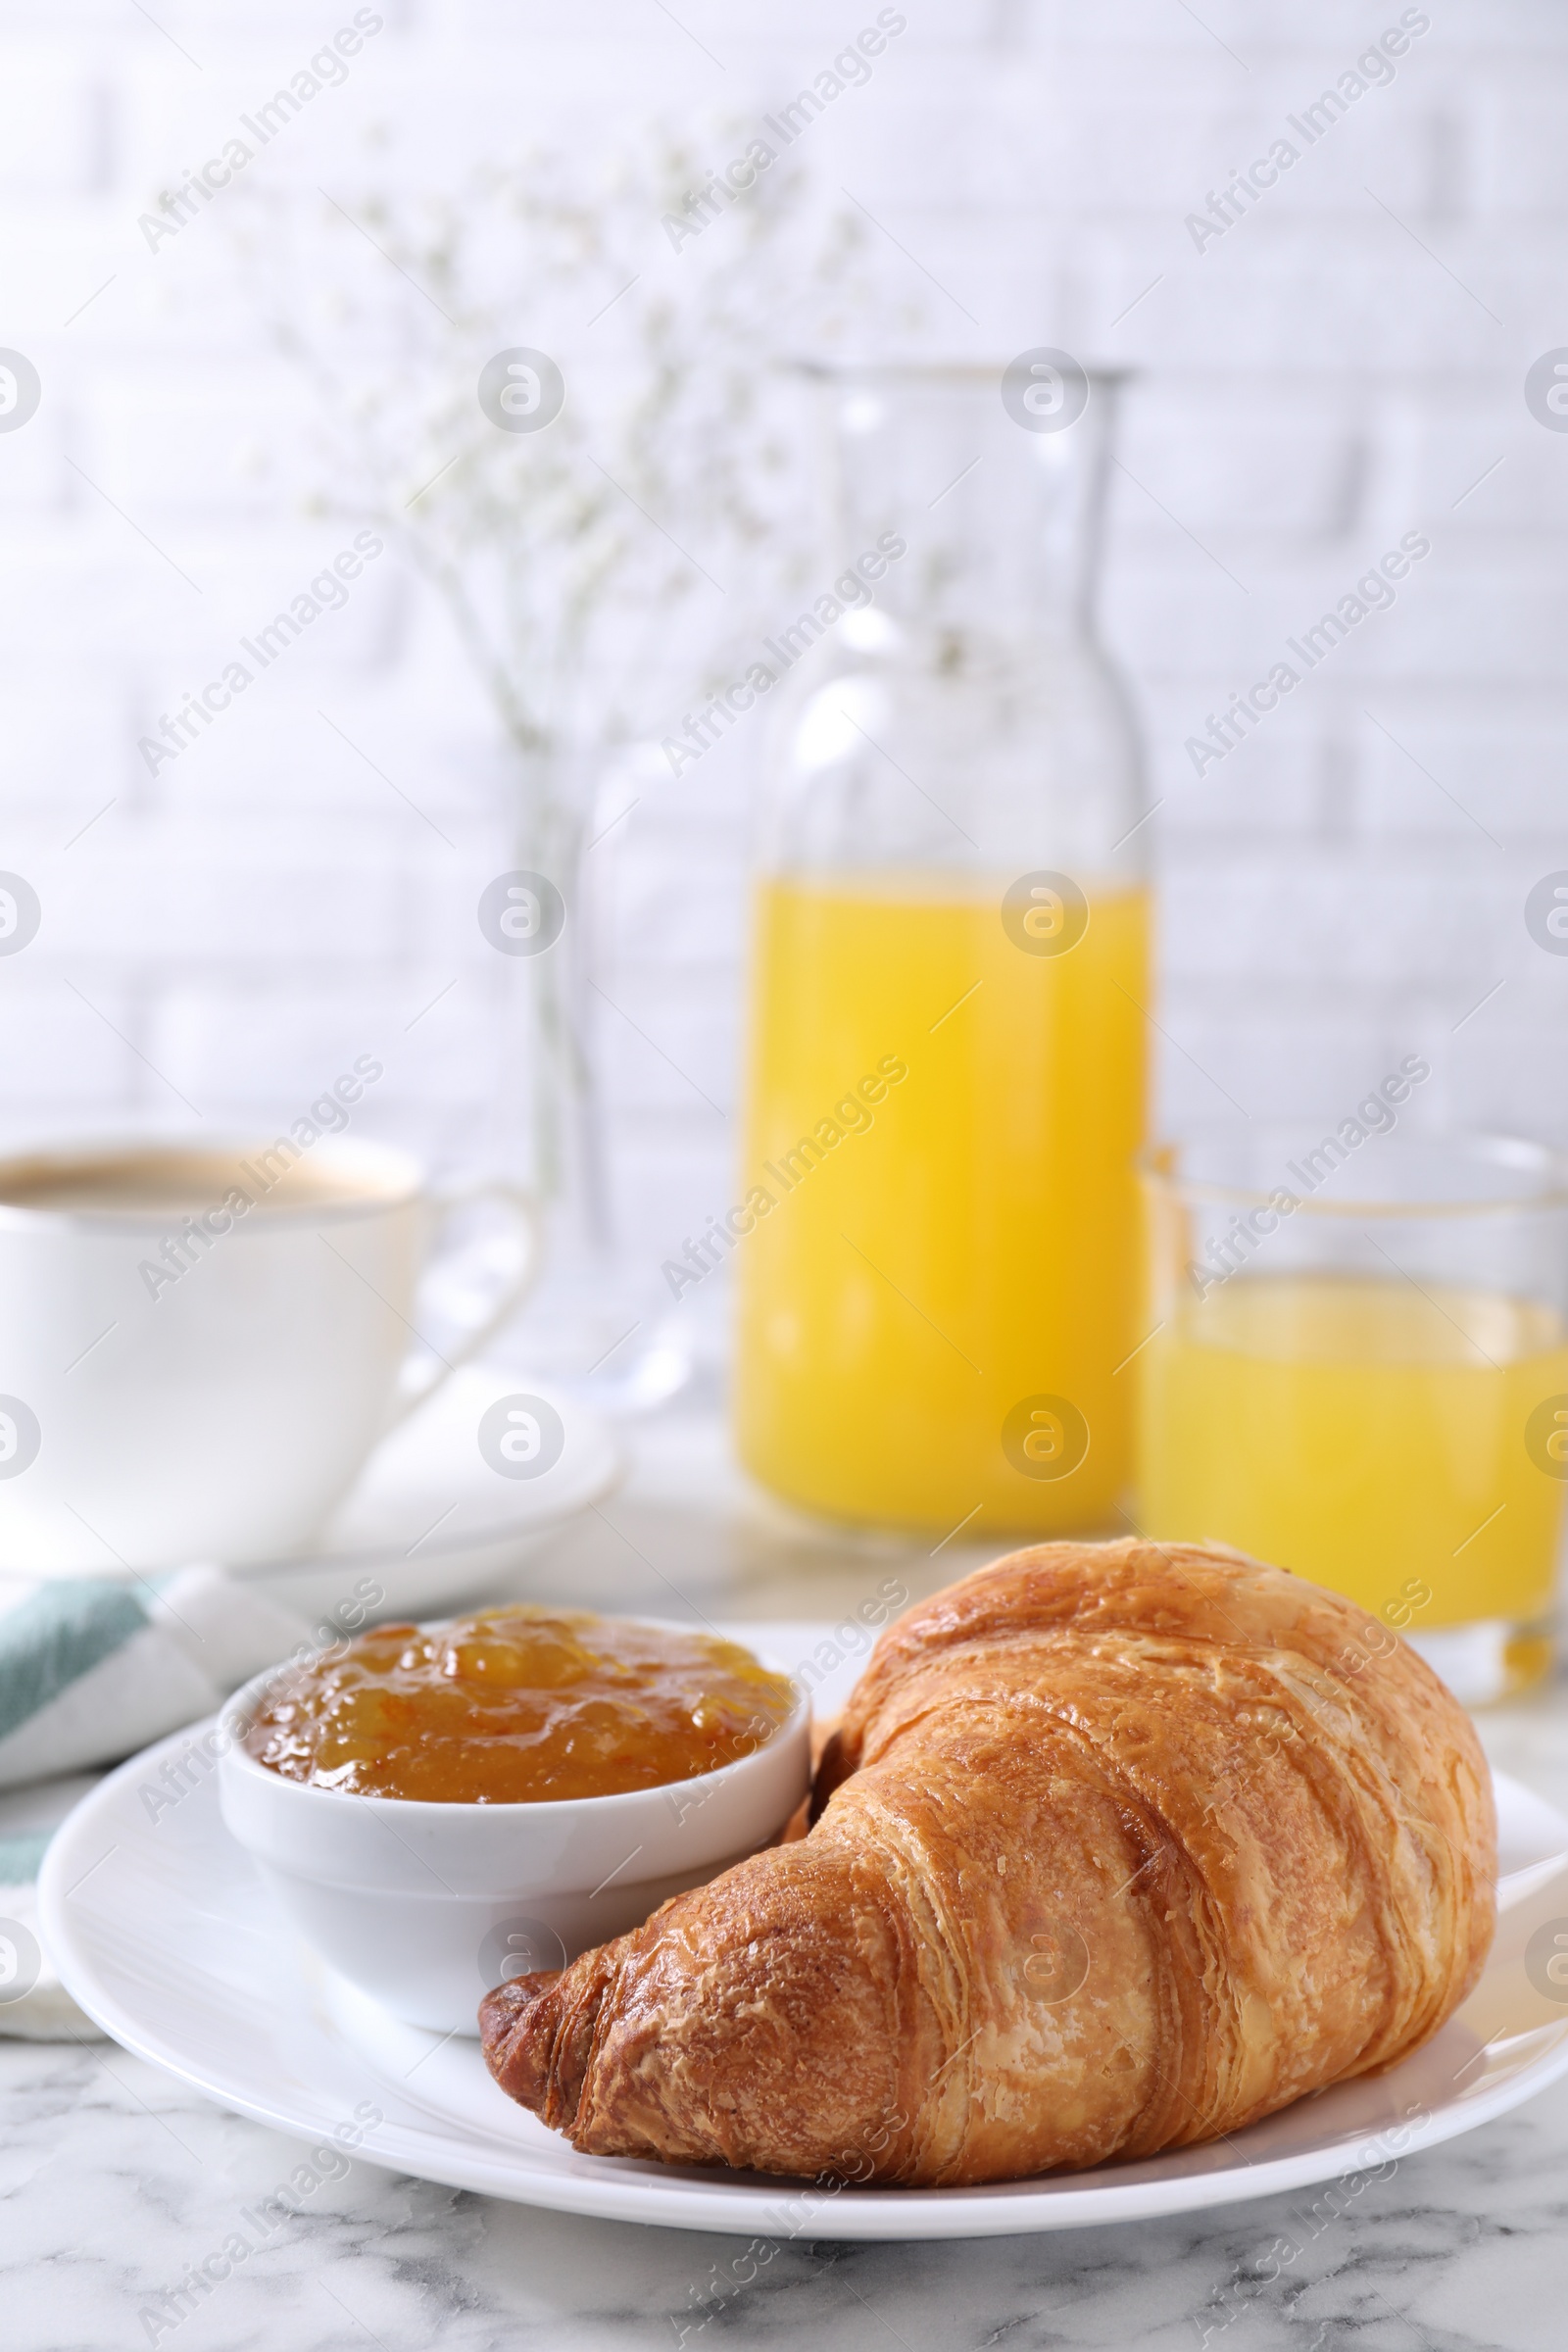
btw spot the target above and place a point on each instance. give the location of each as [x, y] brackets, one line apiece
[115, 2180]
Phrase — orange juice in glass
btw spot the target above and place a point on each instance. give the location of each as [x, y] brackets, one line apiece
[1357, 1366]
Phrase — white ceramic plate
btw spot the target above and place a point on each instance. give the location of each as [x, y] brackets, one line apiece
[161, 1930]
[431, 1520]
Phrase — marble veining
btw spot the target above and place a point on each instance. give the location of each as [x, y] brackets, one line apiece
[114, 2182]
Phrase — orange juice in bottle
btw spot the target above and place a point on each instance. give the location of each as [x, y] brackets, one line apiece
[946, 1051]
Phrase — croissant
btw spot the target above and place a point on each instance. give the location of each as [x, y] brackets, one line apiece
[1119, 1846]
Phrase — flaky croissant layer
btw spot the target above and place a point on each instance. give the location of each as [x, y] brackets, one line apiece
[1118, 1846]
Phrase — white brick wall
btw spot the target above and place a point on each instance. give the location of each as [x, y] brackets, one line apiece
[1319, 380]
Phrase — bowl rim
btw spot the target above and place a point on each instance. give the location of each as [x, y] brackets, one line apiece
[557, 1809]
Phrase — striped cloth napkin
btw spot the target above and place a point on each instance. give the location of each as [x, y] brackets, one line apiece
[91, 1671]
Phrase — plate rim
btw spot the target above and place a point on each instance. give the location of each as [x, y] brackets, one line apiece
[589, 1490]
[565, 1507]
[743, 2206]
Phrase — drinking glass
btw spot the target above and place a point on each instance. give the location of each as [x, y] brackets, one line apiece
[1357, 1366]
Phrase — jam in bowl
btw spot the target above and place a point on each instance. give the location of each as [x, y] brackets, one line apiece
[438, 1808]
[519, 1706]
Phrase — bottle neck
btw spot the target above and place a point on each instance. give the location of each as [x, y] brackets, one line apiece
[998, 527]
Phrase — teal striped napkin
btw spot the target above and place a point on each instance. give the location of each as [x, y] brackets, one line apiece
[91, 1671]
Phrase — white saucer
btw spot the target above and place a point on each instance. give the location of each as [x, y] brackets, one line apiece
[431, 1520]
[163, 1935]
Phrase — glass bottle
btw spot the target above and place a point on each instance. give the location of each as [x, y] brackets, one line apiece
[936, 1285]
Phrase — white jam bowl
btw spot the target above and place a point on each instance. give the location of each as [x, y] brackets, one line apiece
[427, 1907]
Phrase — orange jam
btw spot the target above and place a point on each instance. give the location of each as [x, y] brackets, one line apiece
[518, 1706]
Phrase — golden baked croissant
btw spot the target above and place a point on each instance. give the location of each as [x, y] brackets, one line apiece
[1119, 1845]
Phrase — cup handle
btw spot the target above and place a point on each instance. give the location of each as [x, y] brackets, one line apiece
[420, 1377]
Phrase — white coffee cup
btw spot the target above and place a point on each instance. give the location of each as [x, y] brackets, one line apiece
[200, 1343]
